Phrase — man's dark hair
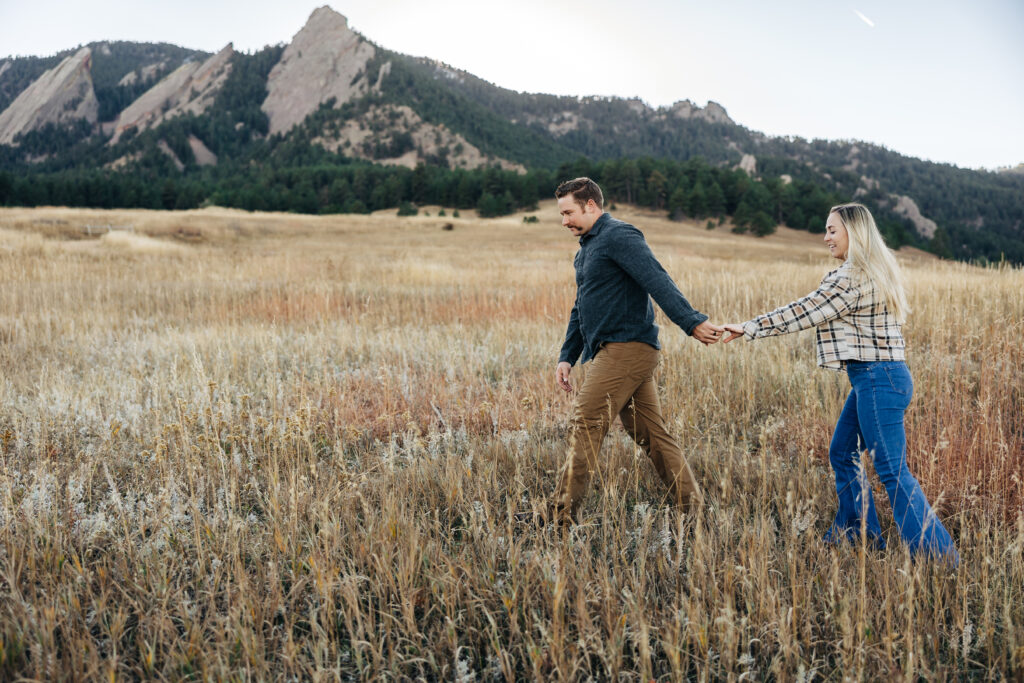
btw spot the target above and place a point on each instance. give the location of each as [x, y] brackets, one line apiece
[582, 190]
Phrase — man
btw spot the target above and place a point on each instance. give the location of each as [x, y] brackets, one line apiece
[612, 327]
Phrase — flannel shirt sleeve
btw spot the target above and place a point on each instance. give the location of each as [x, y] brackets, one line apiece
[836, 295]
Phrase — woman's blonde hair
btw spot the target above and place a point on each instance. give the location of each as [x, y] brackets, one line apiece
[869, 255]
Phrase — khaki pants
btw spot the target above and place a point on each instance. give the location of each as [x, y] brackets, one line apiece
[620, 381]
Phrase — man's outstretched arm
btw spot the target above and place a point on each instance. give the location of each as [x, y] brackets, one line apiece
[636, 258]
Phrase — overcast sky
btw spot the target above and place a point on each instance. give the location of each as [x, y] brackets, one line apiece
[937, 79]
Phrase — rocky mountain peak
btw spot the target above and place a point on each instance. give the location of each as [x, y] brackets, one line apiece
[326, 59]
[326, 16]
[61, 95]
[716, 113]
[712, 113]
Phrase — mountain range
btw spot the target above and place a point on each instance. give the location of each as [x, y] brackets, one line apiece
[344, 124]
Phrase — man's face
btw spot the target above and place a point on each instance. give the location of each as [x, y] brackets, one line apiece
[578, 219]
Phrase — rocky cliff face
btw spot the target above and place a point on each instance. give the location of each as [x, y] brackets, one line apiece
[191, 88]
[907, 207]
[142, 74]
[713, 113]
[375, 134]
[62, 94]
[325, 59]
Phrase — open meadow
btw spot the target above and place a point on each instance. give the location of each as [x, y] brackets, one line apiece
[266, 446]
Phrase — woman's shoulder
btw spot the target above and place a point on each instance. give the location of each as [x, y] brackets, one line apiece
[843, 274]
[847, 280]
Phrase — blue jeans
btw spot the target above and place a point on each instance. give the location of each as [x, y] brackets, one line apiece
[872, 420]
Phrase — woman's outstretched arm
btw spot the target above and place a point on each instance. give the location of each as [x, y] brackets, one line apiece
[836, 295]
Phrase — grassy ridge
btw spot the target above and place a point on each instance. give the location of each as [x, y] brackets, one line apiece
[274, 445]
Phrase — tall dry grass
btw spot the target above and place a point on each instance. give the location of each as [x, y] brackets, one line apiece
[289, 447]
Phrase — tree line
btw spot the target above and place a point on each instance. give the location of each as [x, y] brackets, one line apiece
[324, 183]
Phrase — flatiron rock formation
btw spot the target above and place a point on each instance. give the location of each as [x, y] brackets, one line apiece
[61, 95]
[142, 74]
[325, 59]
[202, 153]
[189, 89]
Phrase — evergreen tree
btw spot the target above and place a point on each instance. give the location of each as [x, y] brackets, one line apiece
[940, 244]
[697, 201]
[677, 203]
[762, 224]
[488, 206]
[715, 199]
[656, 184]
[630, 175]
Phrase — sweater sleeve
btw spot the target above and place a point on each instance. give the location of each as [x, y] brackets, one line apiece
[572, 347]
[633, 255]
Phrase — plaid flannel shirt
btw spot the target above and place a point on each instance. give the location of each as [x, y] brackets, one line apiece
[851, 323]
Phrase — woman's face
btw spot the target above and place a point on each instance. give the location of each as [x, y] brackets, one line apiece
[836, 237]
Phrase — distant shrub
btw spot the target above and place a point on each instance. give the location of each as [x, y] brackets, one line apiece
[762, 224]
[441, 213]
[711, 225]
[355, 206]
[407, 209]
[455, 213]
[531, 219]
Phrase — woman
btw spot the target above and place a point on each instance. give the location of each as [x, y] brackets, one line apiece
[857, 311]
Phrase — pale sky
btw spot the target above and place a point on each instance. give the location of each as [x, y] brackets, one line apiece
[937, 79]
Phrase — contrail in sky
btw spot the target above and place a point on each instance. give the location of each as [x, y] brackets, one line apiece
[864, 19]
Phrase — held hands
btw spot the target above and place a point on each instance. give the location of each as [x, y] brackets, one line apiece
[734, 332]
[706, 333]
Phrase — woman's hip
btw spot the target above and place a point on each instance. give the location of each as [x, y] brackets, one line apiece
[887, 381]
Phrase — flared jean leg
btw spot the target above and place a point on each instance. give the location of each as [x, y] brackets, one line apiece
[856, 503]
[883, 393]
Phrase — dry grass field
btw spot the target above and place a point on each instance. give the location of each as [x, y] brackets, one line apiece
[254, 447]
